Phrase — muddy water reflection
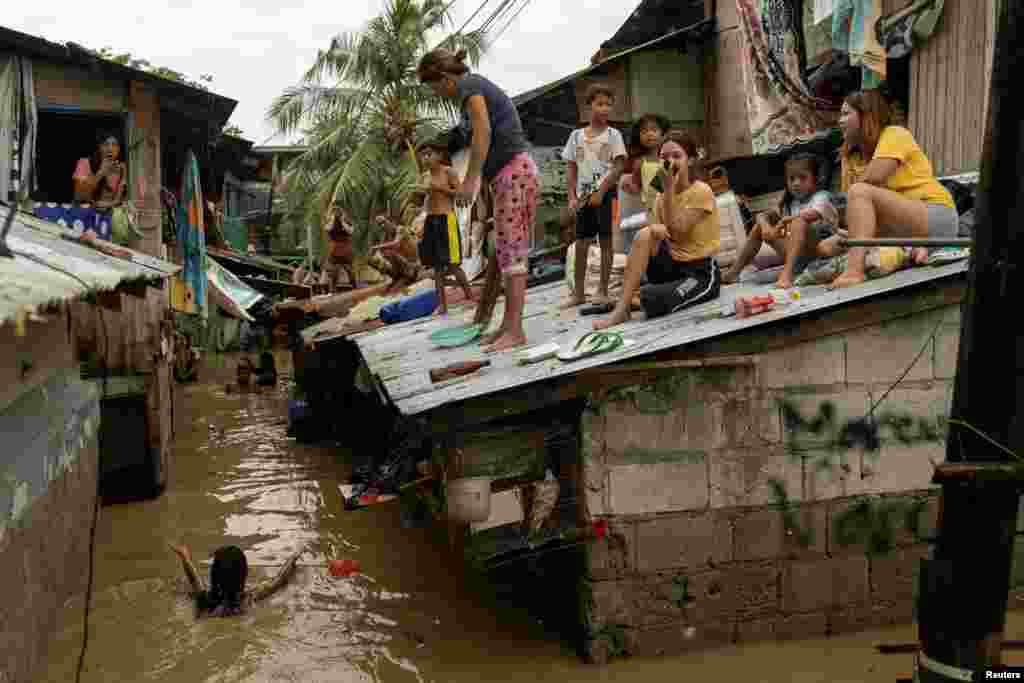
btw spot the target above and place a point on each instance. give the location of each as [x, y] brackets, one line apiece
[412, 616]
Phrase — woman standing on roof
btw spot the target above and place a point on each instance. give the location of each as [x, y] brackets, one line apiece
[891, 187]
[490, 126]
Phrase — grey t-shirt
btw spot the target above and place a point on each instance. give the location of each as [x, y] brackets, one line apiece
[507, 136]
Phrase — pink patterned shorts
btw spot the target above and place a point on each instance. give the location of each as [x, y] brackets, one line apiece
[515, 207]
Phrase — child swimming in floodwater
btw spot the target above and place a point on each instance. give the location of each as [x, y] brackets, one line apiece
[227, 595]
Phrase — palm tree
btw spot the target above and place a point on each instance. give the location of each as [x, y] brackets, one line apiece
[362, 111]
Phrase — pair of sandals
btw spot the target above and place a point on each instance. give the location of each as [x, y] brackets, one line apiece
[592, 344]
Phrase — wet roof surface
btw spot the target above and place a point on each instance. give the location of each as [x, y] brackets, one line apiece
[402, 355]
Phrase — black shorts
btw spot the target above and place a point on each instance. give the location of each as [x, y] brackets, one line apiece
[441, 245]
[675, 285]
[595, 222]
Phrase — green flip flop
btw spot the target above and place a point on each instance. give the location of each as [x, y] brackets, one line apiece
[453, 337]
[592, 344]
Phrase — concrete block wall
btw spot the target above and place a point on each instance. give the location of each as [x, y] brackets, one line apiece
[701, 549]
[47, 493]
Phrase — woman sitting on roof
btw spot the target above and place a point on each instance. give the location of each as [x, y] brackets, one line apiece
[891, 188]
[100, 180]
[677, 251]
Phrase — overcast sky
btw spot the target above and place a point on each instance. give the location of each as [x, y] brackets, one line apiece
[256, 48]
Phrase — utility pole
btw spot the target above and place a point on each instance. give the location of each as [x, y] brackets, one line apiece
[964, 587]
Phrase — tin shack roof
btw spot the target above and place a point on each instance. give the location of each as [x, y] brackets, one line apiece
[401, 355]
[48, 267]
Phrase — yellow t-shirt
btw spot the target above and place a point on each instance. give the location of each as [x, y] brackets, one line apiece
[648, 171]
[914, 179]
[701, 240]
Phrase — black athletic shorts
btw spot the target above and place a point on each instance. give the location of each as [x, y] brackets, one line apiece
[675, 285]
[594, 222]
[441, 245]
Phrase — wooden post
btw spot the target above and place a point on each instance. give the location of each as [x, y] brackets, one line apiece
[964, 588]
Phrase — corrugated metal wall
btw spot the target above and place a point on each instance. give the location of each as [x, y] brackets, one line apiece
[949, 81]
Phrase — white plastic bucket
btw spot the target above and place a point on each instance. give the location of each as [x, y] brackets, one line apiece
[469, 499]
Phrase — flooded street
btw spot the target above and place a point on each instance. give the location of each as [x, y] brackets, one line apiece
[413, 615]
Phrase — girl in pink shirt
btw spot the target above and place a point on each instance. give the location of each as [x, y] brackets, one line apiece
[99, 179]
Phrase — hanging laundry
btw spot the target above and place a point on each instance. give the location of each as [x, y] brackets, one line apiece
[780, 106]
[854, 32]
[901, 30]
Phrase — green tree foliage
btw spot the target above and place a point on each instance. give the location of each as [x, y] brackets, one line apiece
[361, 110]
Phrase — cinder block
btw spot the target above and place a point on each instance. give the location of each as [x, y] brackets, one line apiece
[807, 538]
[817, 362]
[751, 590]
[744, 478]
[593, 425]
[926, 510]
[801, 626]
[680, 638]
[659, 487]
[756, 630]
[894, 576]
[717, 384]
[758, 534]
[689, 426]
[947, 348]
[912, 427]
[684, 541]
[815, 423]
[832, 474]
[880, 354]
[751, 422]
[825, 583]
[595, 487]
[837, 510]
[615, 555]
[865, 617]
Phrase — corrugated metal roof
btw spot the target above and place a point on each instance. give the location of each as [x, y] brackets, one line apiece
[49, 268]
[401, 355]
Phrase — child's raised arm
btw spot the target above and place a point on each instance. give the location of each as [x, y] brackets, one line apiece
[194, 579]
[267, 588]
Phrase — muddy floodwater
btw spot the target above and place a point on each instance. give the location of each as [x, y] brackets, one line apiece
[414, 614]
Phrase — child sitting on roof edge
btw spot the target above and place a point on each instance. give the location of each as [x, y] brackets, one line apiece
[802, 229]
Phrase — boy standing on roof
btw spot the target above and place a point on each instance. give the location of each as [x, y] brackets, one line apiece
[596, 156]
[441, 246]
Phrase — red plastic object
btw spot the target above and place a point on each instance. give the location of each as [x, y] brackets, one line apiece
[600, 528]
[746, 307]
[340, 568]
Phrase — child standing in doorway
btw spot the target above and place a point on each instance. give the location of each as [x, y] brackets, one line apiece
[441, 246]
[596, 156]
[802, 229]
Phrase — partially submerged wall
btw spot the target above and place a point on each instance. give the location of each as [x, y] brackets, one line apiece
[49, 419]
[729, 491]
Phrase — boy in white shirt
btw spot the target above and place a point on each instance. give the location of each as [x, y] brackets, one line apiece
[596, 156]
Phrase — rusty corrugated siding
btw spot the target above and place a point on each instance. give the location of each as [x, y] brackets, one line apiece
[949, 82]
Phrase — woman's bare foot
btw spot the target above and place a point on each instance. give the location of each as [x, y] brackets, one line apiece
[919, 256]
[507, 341]
[847, 279]
[618, 316]
[730, 277]
[488, 339]
[784, 281]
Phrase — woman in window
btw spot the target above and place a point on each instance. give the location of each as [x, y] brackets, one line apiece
[100, 180]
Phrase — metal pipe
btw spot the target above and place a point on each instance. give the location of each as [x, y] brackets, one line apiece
[909, 242]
